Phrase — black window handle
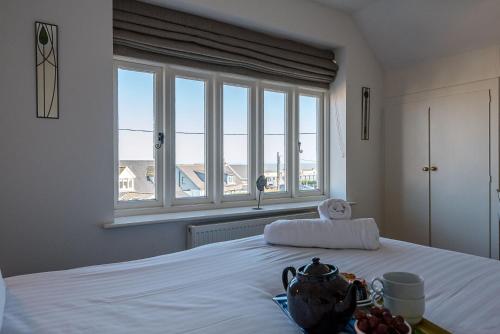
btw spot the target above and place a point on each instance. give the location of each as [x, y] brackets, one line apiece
[161, 140]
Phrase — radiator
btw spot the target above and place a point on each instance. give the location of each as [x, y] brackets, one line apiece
[198, 235]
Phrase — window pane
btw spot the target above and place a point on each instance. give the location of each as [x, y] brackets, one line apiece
[190, 173]
[274, 140]
[308, 136]
[136, 117]
[235, 127]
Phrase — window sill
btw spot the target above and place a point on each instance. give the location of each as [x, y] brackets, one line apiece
[214, 215]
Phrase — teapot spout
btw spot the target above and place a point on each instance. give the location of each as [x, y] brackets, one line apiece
[348, 304]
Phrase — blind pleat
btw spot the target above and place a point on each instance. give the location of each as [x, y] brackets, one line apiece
[162, 33]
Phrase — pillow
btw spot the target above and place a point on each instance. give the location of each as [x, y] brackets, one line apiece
[2, 299]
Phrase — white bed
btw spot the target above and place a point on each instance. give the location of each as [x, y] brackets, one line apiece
[227, 288]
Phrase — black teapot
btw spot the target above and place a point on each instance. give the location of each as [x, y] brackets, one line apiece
[320, 300]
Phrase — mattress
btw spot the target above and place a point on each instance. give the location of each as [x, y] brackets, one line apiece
[227, 288]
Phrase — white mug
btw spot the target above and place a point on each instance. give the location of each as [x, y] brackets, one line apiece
[399, 285]
[411, 309]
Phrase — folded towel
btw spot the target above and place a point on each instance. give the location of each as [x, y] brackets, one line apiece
[357, 233]
[334, 209]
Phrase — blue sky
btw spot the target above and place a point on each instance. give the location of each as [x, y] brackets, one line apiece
[135, 105]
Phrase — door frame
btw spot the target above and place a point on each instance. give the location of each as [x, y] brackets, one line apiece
[491, 85]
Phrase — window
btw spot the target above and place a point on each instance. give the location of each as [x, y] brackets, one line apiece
[275, 121]
[308, 143]
[235, 139]
[190, 137]
[197, 139]
[136, 90]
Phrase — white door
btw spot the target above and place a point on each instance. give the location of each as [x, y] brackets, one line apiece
[407, 184]
[460, 185]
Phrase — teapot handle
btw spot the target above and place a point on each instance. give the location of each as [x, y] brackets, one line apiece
[284, 276]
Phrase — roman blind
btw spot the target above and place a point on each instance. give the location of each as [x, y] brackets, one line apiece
[156, 33]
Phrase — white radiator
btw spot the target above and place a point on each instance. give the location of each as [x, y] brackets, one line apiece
[198, 235]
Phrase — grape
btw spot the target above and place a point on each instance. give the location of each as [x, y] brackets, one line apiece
[381, 321]
[382, 329]
[374, 322]
[399, 319]
[363, 325]
[387, 317]
[376, 311]
[392, 330]
[402, 328]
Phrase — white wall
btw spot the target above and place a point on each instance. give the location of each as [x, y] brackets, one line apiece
[56, 185]
[459, 69]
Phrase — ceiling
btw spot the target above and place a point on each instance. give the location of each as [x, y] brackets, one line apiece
[349, 6]
[402, 32]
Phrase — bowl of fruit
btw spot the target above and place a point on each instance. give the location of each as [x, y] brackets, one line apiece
[379, 320]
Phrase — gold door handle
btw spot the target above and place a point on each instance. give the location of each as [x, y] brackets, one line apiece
[425, 169]
[434, 168]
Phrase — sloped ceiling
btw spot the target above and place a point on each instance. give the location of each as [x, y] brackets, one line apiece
[349, 6]
[403, 32]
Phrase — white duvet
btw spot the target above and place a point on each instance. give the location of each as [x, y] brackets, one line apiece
[227, 288]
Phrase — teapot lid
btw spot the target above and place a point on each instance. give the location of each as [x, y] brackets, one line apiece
[317, 268]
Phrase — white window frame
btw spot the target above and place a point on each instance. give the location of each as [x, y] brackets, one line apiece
[251, 140]
[214, 171]
[158, 126]
[288, 91]
[320, 143]
[172, 74]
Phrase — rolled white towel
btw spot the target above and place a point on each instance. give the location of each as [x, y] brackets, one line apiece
[359, 233]
[334, 209]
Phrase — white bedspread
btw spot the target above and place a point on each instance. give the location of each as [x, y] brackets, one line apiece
[227, 288]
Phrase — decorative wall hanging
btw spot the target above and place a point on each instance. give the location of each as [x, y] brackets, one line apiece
[47, 76]
[365, 113]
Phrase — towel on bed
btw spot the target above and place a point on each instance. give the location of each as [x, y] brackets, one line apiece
[334, 209]
[360, 233]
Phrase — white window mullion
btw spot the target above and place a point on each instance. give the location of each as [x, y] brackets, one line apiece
[159, 128]
[326, 139]
[252, 140]
[290, 142]
[319, 143]
[259, 132]
[218, 170]
[169, 128]
[116, 165]
[294, 143]
[209, 138]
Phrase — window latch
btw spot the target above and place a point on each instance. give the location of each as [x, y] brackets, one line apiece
[161, 140]
[300, 149]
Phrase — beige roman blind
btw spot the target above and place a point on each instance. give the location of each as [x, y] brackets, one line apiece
[156, 33]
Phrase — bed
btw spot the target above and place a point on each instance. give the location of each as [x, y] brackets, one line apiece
[227, 288]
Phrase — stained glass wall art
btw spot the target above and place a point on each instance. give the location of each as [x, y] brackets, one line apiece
[47, 76]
